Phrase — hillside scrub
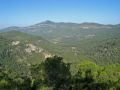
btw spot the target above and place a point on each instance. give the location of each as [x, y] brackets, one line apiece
[54, 74]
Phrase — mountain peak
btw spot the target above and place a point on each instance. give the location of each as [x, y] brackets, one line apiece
[47, 22]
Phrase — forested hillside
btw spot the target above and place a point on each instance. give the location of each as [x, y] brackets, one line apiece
[88, 57]
[54, 74]
[77, 41]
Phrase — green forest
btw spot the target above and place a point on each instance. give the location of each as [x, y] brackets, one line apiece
[54, 74]
[70, 57]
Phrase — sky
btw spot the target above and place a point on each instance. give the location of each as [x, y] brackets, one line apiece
[28, 12]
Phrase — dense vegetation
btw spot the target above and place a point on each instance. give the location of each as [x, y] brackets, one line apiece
[73, 41]
[91, 55]
[54, 74]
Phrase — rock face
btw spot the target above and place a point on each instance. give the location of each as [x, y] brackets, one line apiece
[32, 48]
[14, 43]
[47, 55]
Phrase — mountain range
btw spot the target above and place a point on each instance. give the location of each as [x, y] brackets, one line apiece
[75, 42]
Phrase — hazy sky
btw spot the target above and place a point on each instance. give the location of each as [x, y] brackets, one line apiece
[27, 12]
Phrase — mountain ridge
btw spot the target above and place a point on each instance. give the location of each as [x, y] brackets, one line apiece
[52, 22]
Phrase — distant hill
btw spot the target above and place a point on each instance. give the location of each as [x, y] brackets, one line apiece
[50, 30]
[19, 50]
[73, 41]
